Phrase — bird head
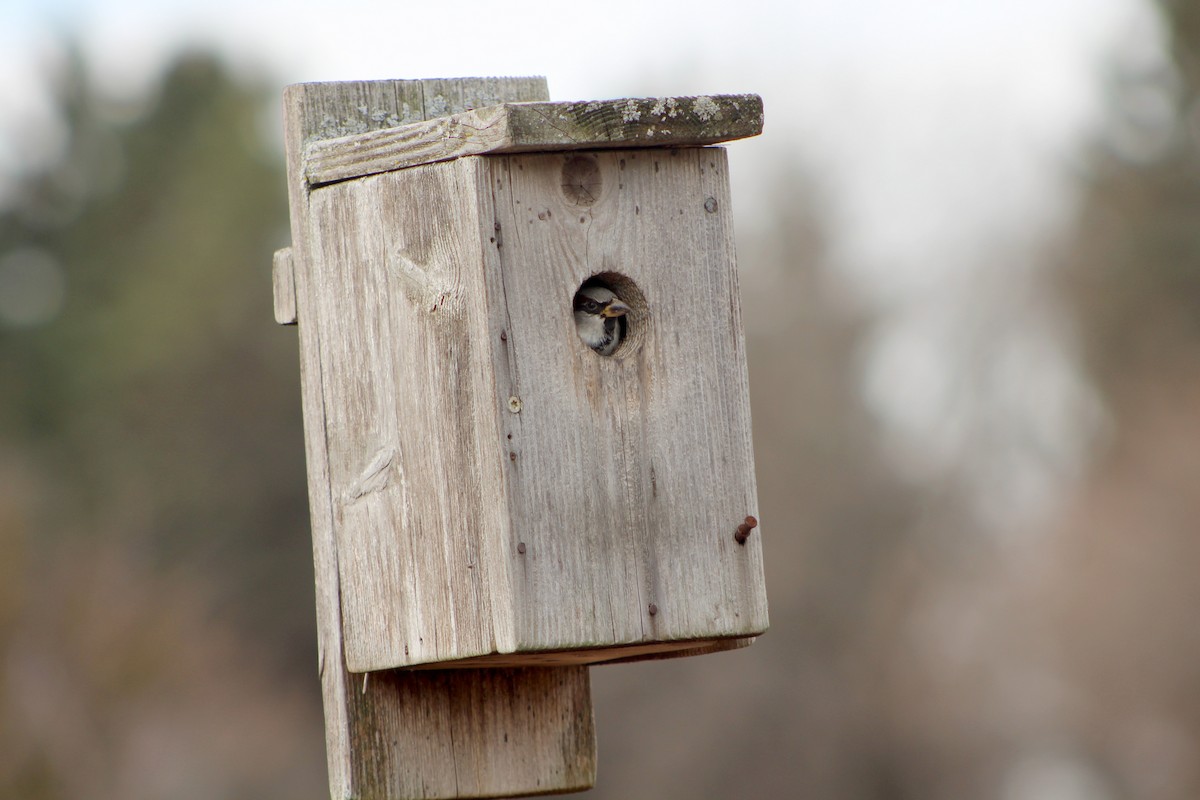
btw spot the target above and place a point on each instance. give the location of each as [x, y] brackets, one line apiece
[600, 301]
[600, 318]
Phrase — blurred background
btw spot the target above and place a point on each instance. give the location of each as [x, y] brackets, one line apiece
[969, 243]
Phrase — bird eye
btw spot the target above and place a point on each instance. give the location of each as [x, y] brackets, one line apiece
[591, 306]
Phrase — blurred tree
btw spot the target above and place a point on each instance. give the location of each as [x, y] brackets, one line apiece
[1134, 273]
[1116, 586]
[156, 616]
[1065, 664]
[157, 385]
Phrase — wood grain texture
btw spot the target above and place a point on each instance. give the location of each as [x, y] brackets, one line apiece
[472, 733]
[466, 733]
[632, 472]
[283, 286]
[498, 488]
[537, 127]
[409, 401]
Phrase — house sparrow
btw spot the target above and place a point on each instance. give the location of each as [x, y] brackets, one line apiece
[599, 318]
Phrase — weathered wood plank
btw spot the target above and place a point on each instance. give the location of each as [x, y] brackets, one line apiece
[629, 474]
[283, 286]
[529, 127]
[466, 733]
[399, 307]
[483, 92]
[357, 107]
[472, 733]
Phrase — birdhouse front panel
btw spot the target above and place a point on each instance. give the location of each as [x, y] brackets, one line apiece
[627, 472]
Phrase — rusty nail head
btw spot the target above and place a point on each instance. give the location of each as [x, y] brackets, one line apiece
[503, 336]
[751, 522]
[512, 456]
[653, 609]
[710, 205]
[521, 548]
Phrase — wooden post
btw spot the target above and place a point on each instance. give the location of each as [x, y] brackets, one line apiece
[489, 493]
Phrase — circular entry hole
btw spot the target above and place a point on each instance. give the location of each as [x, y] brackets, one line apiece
[611, 314]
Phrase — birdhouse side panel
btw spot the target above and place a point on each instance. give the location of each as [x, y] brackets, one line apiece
[409, 400]
[628, 473]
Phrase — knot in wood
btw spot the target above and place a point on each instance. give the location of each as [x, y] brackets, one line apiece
[581, 181]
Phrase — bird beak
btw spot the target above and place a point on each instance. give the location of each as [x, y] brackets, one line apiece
[615, 309]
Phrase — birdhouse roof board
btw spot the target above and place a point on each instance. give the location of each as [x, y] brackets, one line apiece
[537, 127]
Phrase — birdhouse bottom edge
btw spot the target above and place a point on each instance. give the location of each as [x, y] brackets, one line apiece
[612, 654]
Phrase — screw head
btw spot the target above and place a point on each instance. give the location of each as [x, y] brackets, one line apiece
[514, 404]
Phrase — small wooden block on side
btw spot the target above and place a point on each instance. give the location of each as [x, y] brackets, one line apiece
[537, 127]
[283, 284]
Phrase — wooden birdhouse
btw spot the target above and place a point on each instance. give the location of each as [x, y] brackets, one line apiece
[489, 487]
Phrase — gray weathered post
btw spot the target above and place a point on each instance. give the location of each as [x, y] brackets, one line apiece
[494, 504]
